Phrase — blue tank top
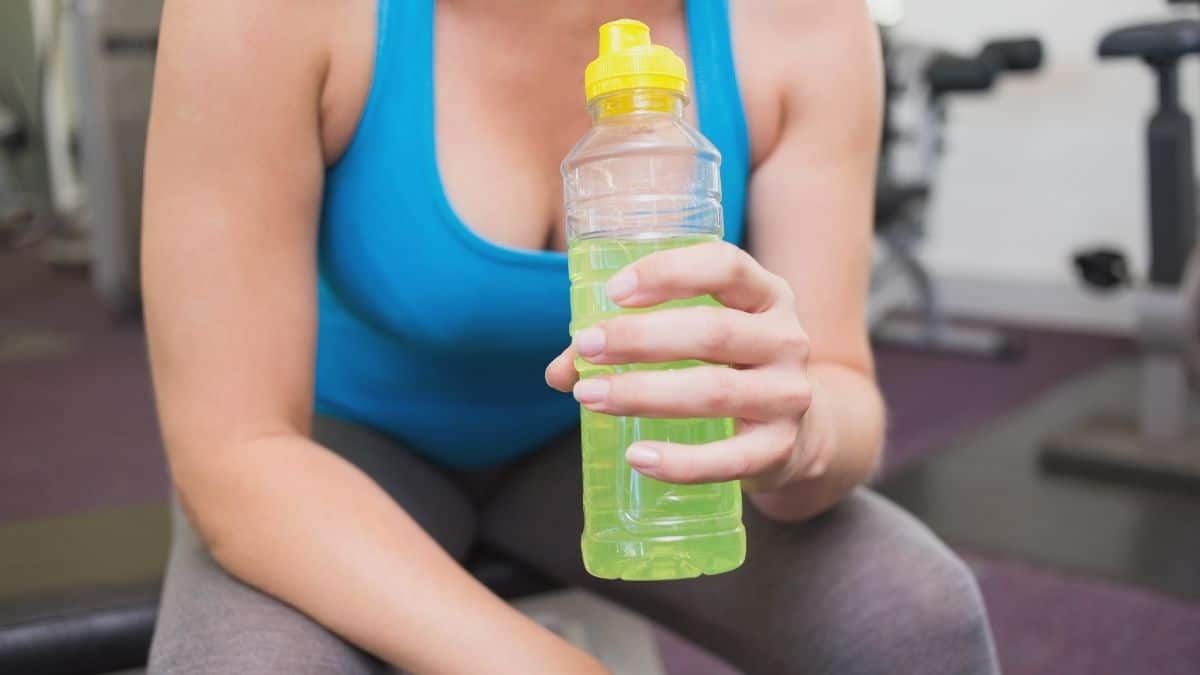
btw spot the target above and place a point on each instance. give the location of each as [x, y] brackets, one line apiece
[427, 332]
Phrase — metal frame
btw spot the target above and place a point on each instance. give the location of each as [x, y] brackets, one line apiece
[1160, 447]
[916, 130]
[114, 62]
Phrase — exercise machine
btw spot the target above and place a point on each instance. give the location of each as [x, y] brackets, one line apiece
[1160, 446]
[15, 210]
[115, 44]
[920, 81]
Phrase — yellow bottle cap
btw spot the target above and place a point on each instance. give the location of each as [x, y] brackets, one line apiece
[628, 60]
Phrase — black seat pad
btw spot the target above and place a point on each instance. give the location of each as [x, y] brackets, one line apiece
[1155, 41]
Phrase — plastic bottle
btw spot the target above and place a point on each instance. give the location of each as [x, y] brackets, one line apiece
[642, 180]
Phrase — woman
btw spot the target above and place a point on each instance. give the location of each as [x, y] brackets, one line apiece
[395, 164]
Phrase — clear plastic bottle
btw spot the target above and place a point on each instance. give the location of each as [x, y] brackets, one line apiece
[643, 180]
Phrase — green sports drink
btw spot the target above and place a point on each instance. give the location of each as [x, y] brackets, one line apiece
[642, 181]
[636, 527]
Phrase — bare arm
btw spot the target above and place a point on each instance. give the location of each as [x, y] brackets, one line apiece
[810, 209]
[234, 176]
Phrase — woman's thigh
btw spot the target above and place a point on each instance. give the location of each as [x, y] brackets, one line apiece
[862, 589]
[210, 622]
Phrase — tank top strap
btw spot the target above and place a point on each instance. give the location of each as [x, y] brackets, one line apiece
[719, 104]
[404, 43]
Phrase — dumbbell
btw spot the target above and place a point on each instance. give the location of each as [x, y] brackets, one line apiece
[948, 73]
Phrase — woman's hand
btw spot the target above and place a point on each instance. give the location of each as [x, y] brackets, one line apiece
[757, 332]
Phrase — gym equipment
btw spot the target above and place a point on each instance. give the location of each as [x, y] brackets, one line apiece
[115, 46]
[1161, 446]
[920, 80]
[22, 212]
[15, 211]
[984, 489]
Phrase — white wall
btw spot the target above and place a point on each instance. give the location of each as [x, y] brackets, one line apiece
[1045, 164]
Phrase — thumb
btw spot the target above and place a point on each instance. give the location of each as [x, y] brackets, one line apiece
[561, 373]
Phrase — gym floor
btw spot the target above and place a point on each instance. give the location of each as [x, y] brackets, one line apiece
[79, 434]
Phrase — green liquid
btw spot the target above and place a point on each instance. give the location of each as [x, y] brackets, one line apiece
[635, 527]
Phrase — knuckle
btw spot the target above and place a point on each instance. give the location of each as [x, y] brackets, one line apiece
[722, 389]
[716, 335]
[622, 335]
[686, 469]
[648, 269]
[781, 455]
[736, 261]
[718, 399]
[787, 295]
[788, 433]
[797, 396]
[737, 465]
[669, 266]
[622, 394]
[795, 342]
[777, 460]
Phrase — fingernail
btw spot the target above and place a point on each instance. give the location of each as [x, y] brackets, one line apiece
[591, 391]
[622, 284]
[589, 342]
[643, 456]
[550, 369]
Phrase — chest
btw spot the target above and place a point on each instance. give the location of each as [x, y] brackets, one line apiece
[508, 106]
[506, 112]
[502, 113]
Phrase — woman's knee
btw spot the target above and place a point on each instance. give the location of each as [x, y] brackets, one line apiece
[917, 608]
[862, 590]
[940, 624]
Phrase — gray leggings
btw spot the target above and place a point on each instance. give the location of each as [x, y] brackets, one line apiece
[862, 589]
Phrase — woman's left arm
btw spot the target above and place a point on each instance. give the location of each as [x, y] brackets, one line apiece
[811, 212]
[810, 416]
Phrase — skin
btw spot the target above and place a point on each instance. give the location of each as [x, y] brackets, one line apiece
[254, 100]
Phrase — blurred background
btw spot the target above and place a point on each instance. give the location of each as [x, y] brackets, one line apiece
[1035, 306]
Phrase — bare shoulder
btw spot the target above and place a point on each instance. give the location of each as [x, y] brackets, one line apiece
[790, 50]
[271, 56]
[245, 40]
[786, 33]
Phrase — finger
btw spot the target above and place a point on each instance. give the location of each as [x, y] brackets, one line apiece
[701, 391]
[713, 334]
[719, 269]
[757, 451]
[561, 373]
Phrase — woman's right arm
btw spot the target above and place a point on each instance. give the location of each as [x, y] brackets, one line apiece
[234, 174]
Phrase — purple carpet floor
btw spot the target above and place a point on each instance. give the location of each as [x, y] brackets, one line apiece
[77, 432]
[77, 425]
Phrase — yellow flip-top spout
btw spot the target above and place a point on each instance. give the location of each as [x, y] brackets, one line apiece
[629, 60]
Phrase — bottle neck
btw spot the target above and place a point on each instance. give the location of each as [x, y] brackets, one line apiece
[637, 101]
